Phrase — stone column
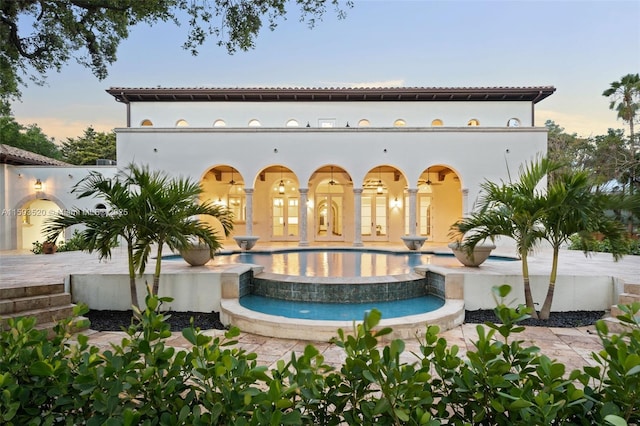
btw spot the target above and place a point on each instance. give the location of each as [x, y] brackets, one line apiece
[249, 210]
[412, 211]
[357, 204]
[465, 202]
[302, 207]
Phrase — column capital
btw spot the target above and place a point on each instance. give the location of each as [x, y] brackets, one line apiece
[303, 190]
[248, 190]
[357, 190]
[412, 190]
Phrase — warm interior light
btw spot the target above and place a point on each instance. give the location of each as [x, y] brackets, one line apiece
[38, 185]
[281, 187]
[380, 188]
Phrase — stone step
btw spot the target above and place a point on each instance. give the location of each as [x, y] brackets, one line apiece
[16, 292]
[22, 304]
[75, 327]
[42, 316]
[615, 325]
[632, 288]
[628, 298]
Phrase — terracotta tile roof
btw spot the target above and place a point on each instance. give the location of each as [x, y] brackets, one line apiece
[330, 94]
[12, 155]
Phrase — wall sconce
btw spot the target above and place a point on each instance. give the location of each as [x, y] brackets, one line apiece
[281, 184]
[38, 185]
[395, 203]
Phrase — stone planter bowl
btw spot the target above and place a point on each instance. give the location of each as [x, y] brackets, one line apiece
[413, 242]
[246, 242]
[476, 258]
[196, 255]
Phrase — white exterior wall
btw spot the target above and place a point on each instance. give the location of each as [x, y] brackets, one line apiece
[379, 113]
[19, 192]
[474, 153]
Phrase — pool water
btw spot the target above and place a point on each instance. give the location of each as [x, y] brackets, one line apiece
[335, 263]
[339, 311]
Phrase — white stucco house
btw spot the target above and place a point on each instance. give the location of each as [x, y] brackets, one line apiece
[312, 165]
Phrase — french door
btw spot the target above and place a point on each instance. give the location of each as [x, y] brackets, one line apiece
[284, 218]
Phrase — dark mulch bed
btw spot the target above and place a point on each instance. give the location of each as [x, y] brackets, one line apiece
[556, 319]
[116, 320]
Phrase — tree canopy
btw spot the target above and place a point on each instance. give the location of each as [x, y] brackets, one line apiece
[89, 147]
[625, 99]
[37, 36]
[30, 138]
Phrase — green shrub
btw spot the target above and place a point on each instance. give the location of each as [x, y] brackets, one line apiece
[631, 247]
[75, 243]
[142, 381]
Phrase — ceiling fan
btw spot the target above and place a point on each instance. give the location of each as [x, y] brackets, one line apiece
[429, 182]
[332, 181]
[233, 182]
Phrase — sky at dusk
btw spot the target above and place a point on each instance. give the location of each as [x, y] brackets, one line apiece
[579, 47]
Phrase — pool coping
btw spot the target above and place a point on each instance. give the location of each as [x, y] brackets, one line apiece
[448, 316]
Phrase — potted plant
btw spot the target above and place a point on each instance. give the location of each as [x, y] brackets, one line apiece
[471, 256]
[49, 247]
[197, 254]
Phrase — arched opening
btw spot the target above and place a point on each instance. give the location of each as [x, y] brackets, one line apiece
[31, 221]
[146, 122]
[381, 217]
[438, 202]
[332, 191]
[284, 201]
[223, 185]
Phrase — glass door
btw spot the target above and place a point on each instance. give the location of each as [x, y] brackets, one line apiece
[328, 219]
[374, 217]
[284, 218]
[424, 215]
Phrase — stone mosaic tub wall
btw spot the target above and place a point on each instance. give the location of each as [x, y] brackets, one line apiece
[435, 284]
[339, 292]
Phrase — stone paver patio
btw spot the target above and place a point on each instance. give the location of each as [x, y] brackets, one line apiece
[572, 346]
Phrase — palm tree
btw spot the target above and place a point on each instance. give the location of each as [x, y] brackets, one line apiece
[574, 206]
[145, 208]
[101, 232]
[511, 210]
[172, 214]
[626, 100]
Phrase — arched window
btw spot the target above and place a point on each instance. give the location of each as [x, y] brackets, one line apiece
[292, 123]
[254, 123]
[473, 122]
[219, 123]
[513, 122]
[146, 122]
[399, 123]
[364, 123]
[437, 122]
[181, 123]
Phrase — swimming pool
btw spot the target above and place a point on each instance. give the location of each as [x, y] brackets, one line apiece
[340, 311]
[335, 262]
